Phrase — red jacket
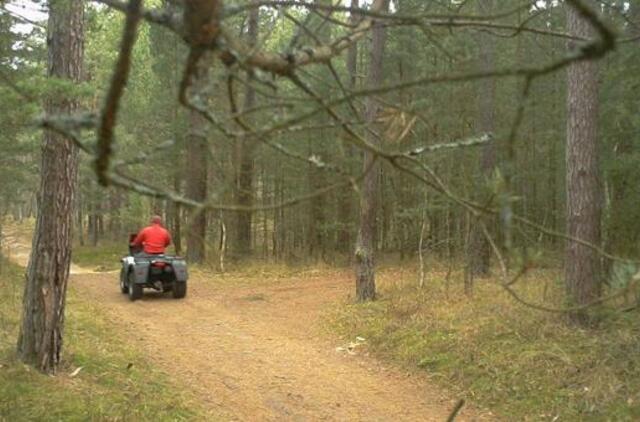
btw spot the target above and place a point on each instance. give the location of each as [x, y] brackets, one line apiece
[153, 239]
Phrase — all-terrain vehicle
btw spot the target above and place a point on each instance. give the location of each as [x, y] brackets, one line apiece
[162, 273]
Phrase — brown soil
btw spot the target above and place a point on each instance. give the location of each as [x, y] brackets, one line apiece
[258, 352]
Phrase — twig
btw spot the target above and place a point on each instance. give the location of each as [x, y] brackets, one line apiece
[455, 411]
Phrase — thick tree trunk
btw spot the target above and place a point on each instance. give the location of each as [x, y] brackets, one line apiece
[479, 251]
[197, 169]
[41, 332]
[244, 159]
[365, 247]
[584, 196]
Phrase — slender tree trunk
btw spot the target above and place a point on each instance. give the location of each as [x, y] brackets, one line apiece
[80, 222]
[41, 333]
[584, 196]
[423, 225]
[176, 234]
[480, 251]
[197, 169]
[95, 230]
[365, 247]
[223, 243]
[244, 159]
[100, 223]
[316, 210]
[317, 178]
[345, 207]
[618, 240]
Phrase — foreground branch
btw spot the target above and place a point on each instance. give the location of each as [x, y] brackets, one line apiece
[116, 89]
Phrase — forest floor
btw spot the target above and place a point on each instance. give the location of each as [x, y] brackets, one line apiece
[257, 348]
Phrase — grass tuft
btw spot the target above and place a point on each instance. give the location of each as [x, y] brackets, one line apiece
[103, 257]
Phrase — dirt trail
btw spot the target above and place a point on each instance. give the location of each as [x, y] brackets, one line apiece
[256, 353]
[17, 248]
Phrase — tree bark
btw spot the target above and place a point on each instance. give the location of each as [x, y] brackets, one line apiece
[41, 334]
[345, 207]
[176, 219]
[244, 158]
[584, 195]
[366, 243]
[197, 169]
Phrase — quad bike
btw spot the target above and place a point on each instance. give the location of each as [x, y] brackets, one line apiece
[162, 273]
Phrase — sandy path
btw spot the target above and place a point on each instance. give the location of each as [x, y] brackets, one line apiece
[256, 353]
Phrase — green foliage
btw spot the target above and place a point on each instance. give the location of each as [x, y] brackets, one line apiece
[19, 89]
[622, 275]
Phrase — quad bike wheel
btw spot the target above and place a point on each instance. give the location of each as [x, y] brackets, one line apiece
[135, 290]
[124, 288]
[179, 289]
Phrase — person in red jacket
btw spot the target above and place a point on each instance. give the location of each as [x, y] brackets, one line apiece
[154, 238]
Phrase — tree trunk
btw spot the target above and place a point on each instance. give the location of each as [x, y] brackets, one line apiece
[584, 196]
[620, 240]
[95, 230]
[345, 207]
[244, 159]
[176, 226]
[316, 207]
[80, 223]
[365, 247]
[41, 332]
[197, 169]
[480, 251]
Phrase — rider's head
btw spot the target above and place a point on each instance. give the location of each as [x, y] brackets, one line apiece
[156, 219]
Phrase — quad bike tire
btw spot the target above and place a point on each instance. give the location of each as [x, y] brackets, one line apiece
[124, 286]
[134, 289]
[179, 289]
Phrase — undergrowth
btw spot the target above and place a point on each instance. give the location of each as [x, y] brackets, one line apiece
[103, 257]
[521, 363]
[115, 381]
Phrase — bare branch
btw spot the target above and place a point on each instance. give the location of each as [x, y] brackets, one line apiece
[285, 64]
[116, 89]
[162, 17]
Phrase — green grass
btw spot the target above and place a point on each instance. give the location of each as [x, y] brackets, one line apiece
[115, 383]
[104, 257]
[520, 363]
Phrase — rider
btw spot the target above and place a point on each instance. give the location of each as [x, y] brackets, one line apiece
[154, 238]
